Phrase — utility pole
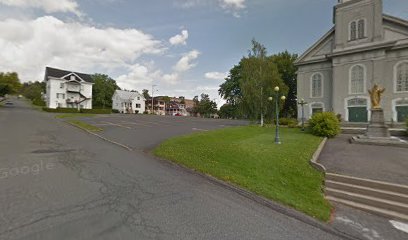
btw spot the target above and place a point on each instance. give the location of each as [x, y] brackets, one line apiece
[153, 98]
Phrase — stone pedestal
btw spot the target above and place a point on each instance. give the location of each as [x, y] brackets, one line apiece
[377, 133]
[377, 127]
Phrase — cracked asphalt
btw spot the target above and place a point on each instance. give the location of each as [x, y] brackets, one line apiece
[58, 182]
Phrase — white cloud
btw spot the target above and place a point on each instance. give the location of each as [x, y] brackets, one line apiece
[29, 46]
[216, 75]
[180, 38]
[138, 77]
[185, 63]
[49, 6]
[172, 78]
[233, 6]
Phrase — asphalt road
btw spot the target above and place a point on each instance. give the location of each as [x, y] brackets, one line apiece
[58, 182]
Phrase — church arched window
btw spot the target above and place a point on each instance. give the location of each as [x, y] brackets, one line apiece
[357, 75]
[401, 77]
[361, 28]
[317, 85]
[353, 31]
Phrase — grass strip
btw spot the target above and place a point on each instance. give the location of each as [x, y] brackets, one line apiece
[248, 157]
[84, 125]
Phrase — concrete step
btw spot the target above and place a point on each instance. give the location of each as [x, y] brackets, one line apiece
[379, 185]
[367, 191]
[368, 200]
[378, 211]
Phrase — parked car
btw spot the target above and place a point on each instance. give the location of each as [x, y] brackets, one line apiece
[9, 103]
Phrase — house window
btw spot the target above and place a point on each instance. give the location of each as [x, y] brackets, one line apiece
[138, 105]
[138, 98]
[402, 77]
[72, 77]
[361, 28]
[317, 85]
[316, 108]
[63, 96]
[357, 79]
[61, 85]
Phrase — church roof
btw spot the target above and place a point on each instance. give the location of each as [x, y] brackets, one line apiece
[319, 51]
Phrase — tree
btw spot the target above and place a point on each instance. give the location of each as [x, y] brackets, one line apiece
[228, 111]
[9, 83]
[145, 93]
[251, 82]
[103, 89]
[287, 70]
[206, 107]
[34, 91]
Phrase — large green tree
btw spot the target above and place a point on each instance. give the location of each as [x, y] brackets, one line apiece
[251, 82]
[102, 91]
[287, 70]
[205, 106]
[9, 83]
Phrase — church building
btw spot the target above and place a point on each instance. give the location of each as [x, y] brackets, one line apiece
[364, 47]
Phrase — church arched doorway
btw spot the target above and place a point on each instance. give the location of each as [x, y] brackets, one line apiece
[357, 110]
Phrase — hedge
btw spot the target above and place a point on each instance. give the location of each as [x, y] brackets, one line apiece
[97, 111]
[74, 110]
[61, 110]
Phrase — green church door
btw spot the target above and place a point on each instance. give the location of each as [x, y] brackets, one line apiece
[358, 114]
[402, 113]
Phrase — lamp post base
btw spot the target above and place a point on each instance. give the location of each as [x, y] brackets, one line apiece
[277, 141]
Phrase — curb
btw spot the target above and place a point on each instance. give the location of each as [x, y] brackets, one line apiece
[101, 137]
[313, 161]
[287, 211]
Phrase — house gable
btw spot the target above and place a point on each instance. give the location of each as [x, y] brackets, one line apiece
[319, 50]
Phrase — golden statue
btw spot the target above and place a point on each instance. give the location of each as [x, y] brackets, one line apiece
[375, 94]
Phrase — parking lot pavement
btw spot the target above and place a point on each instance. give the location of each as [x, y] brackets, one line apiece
[58, 182]
[141, 132]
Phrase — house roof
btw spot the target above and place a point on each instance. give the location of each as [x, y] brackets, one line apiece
[126, 95]
[59, 73]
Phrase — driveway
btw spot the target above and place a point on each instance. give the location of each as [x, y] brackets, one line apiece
[143, 132]
[58, 182]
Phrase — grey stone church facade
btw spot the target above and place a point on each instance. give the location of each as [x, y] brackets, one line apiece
[365, 47]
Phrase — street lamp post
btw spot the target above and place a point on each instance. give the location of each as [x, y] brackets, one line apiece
[303, 103]
[153, 98]
[277, 98]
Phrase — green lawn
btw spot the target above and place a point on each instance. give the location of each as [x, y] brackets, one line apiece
[84, 125]
[248, 157]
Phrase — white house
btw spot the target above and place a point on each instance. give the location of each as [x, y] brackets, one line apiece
[66, 89]
[128, 102]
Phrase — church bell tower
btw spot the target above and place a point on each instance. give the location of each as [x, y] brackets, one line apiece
[358, 22]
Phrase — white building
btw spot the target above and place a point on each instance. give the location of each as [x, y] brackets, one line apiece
[128, 102]
[66, 89]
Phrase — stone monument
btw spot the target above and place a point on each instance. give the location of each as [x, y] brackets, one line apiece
[377, 132]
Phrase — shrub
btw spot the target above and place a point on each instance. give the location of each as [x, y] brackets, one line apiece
[115, 111]
[38, 102]
[339, 117]
[288, 121]
[61, 110]
[324, 124]
[407, 124]
[96, 111]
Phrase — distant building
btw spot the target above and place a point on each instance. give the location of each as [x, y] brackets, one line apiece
[128, 102]
[364, 47]
[67, 89]
[159, 106]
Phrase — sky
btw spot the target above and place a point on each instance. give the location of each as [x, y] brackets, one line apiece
[184, 47]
